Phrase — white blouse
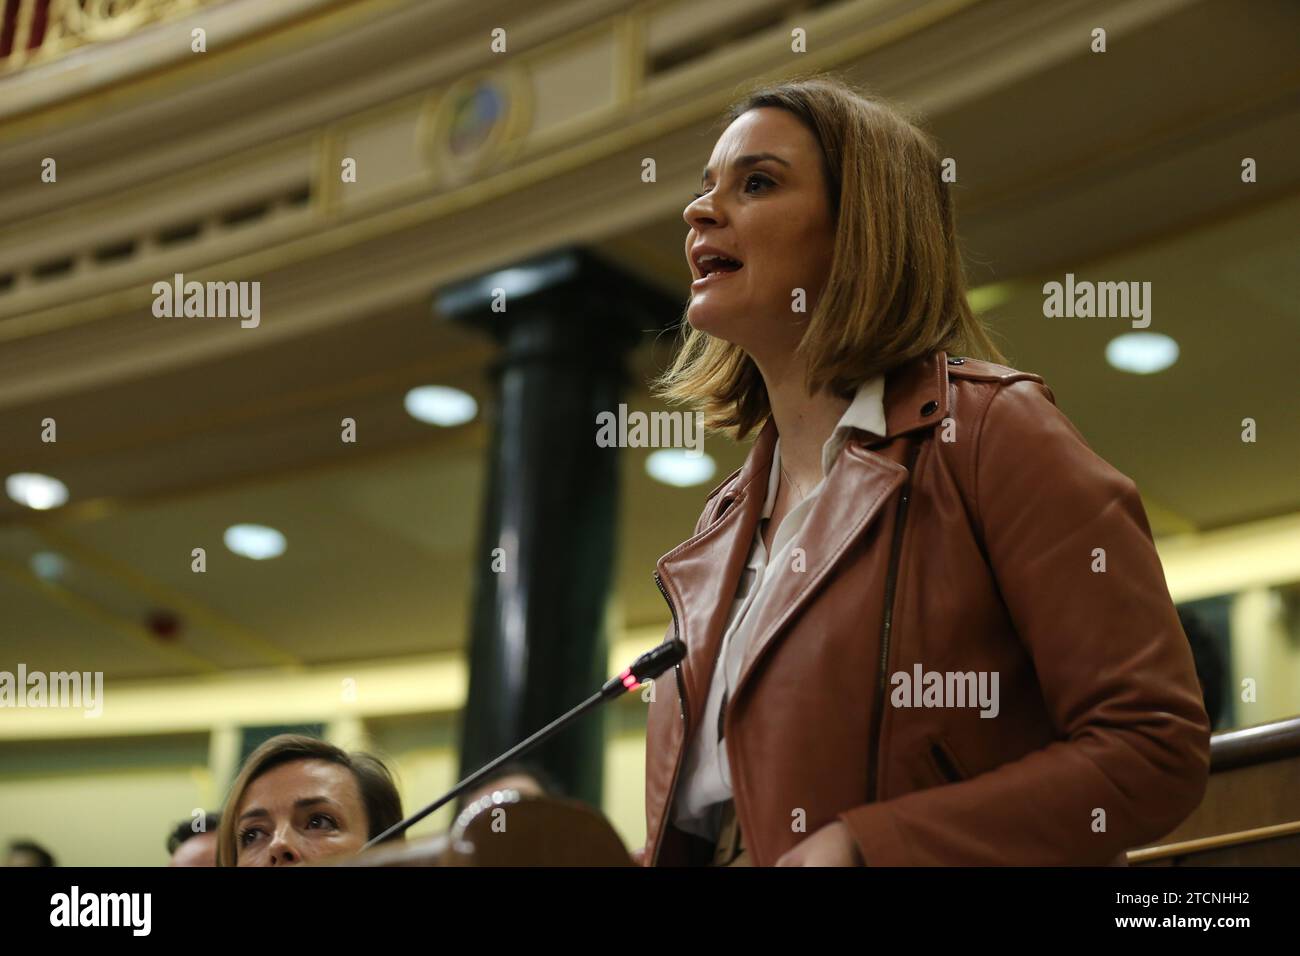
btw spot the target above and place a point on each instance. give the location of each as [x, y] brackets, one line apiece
[706, 777]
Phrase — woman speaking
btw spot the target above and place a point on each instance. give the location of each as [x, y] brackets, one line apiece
[926, 623]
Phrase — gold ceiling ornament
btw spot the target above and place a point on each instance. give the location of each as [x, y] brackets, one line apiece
[69, 24]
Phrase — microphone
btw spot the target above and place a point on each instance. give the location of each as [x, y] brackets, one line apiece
[649, 665]
[646, 667]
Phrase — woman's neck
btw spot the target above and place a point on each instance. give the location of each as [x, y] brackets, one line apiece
[804, 423]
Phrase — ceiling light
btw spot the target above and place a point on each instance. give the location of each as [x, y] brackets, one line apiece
[677, 467]
[47, 565]
[1142, 353]
[36, 491]
[255, 541]
[440, 405]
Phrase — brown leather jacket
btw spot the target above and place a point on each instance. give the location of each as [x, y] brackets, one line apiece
[980, 535]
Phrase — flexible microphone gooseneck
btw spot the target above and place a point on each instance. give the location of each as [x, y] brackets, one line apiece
[649, 665]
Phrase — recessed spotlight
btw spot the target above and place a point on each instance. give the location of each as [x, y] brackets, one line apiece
[47, 565]
[36, 491]
[440, 405]
[1142, 353]
[255, 541]
[676, 467]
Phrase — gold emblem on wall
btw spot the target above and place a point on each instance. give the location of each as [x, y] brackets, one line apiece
[476, 124]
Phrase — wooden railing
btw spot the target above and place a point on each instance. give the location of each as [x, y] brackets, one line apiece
[1250, 815]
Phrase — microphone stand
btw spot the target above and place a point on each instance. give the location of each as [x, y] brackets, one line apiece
[649, 665]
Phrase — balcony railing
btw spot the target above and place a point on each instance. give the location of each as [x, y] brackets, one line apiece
[33, 31]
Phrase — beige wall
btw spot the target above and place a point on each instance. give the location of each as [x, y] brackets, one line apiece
[103, 802]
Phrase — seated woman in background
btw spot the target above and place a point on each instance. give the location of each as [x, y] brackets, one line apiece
[298, 800]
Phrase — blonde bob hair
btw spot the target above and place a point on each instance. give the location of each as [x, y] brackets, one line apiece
[896, 288]
[375, 783]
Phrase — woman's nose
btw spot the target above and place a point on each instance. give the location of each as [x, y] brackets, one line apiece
[700, 211]
[283, 852]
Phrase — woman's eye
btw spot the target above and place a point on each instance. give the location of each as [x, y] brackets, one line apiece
[326, 820]
[752, 178]
[244, 836]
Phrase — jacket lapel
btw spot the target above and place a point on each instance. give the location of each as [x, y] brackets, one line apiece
[701, 574]
[857, 489]
[861, 483]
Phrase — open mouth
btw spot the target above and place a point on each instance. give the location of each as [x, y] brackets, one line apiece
[713, 268]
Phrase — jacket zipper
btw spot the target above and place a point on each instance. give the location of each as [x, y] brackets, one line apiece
[681, 753]
[891, 581]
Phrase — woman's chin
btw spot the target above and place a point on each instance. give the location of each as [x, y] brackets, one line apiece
[707, 320]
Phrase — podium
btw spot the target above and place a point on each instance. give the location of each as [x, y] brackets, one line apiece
[506, 828]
